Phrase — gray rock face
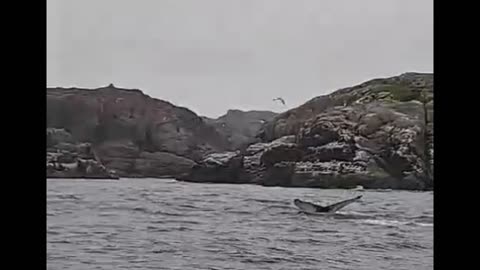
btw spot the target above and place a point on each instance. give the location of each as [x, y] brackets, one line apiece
[241, 127]
[162, 164]
[57, 135]
[130, 132]
[67, 159]
[223, 167]
[403, 91]
[377, 135]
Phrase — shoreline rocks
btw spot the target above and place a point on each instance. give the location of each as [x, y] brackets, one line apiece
[128, 132]
[378, 135]
[66, 159]
[371, 135]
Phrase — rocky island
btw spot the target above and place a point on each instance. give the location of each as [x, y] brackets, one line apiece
[113, 132]
[378, 134]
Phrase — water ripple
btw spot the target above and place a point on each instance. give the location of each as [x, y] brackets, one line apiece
[156, 224]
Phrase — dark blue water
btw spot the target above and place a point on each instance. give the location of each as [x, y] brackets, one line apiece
[163, 224]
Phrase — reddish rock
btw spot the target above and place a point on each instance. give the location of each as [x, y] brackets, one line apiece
[131, 132]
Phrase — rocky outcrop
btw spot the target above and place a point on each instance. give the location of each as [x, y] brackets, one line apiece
[378, 135]
[67, 159]
[401, 90]
[223, 167]
[130, 132]
[241, 127]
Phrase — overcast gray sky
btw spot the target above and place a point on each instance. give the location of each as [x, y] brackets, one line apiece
[215, 55]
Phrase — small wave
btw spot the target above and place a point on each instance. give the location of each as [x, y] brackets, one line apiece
[277, 209]
[100, 233]
[297, 241]
[424, 216]
[189, 206]
[265, 260]
[138, 260]
[286, 206]
[395, 234]
[264, 201]
[203, 195]
[396, 223]
[159, 251]
[374, 247]
[182, 229]
[281, 250]
[183, 221]
[325, 231]
[384, 222]
[111, 248]
[107, 214]
[351, 215]
[156, 229]
[60, 242]
[280, 213]
[237, 212]
[408, 245]
[163, 213]
[68, 197]
[141, 209]
[96, 251]
[423, 219]
[420, 224]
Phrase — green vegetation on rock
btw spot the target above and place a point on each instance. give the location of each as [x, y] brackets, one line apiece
[399, 92]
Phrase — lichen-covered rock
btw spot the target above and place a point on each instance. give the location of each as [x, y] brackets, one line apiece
[377, 135]
[332, 151]
[279, 153]
[400, 91]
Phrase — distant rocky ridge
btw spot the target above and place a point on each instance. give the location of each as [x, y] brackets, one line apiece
[378, 134]
[241, 127]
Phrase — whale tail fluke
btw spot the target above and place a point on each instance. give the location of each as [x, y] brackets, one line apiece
[310, 207]
[337, 206]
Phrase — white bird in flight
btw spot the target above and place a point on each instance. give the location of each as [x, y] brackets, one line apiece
[280, 99]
